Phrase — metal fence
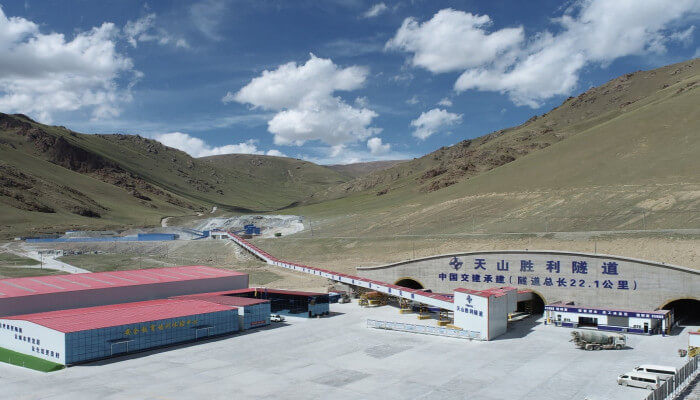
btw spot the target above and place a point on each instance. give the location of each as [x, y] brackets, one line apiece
[423, 329]
[672, 387]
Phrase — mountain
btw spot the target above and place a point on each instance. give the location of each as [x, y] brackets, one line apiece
[295, 178]
[469, 158]
[356, 170]
[54, 179]
[624, 155]
[620, 156]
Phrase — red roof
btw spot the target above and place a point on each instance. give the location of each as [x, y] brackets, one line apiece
[497, 292]
[291, 292]
[223, 299]
[16, 287]
[82, 319]
[264, 290]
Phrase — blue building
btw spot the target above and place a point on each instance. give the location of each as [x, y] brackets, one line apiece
[84, 334]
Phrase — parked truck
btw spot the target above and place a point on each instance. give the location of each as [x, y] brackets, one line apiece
[590, 340]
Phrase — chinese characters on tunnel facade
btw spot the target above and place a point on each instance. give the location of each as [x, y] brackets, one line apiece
[536, 274]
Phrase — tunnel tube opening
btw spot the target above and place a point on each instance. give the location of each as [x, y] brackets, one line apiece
[534, 306]
[685, 311]
[409, 283]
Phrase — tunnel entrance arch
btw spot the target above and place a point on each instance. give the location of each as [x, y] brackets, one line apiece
[534, 305]
[409, 283]
[685, 311]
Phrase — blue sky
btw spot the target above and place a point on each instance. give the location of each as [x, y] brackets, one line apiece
[331, 82]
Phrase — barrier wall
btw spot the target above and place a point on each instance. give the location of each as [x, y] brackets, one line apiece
[423, 329]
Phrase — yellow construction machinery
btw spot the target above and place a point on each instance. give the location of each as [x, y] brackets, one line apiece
[373, 299]
[405, 306]
[444, 319]
[423, 312]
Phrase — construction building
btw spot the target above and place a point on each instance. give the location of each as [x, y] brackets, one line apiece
[252, 312]
[290, 302]
[84, 334]
[571, 315]
[69, 319]
[484, 311]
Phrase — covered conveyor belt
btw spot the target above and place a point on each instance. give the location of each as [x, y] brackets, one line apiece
[432, 299]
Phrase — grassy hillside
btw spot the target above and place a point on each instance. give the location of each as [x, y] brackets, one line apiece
[289, 177]
[450, 165]
[55, 179]
[357, 170]
[40, 195]
[608, 163]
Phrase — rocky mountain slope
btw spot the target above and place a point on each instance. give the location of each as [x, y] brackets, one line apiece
[622, 156]
[54, 179]
[356, 170]
[469, 158]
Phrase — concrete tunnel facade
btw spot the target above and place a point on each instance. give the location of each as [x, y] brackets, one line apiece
[594, 280]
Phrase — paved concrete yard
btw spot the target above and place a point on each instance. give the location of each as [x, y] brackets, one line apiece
[339, 358]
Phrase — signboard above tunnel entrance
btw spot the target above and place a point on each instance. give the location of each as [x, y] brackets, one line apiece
[526, 273]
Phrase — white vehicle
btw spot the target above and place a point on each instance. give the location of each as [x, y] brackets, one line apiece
[663, 371]
[276, 318]
[639, 379]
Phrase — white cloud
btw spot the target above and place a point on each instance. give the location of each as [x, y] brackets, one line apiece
[413, 100]
[433, 121]
[145, 30]
[403, 77]
[350, 154]
[376, 147]
[41, 74]
[336, 150]
[197, 147]
[685, 36]
[290, 84]
[136, 30]
[375, 10]
[207, 16]
[306, 109]
[362, 101]
[546, 64]
[276, 153]
[353, 47]
[445, 102]
[453, 40]
[229, 97]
